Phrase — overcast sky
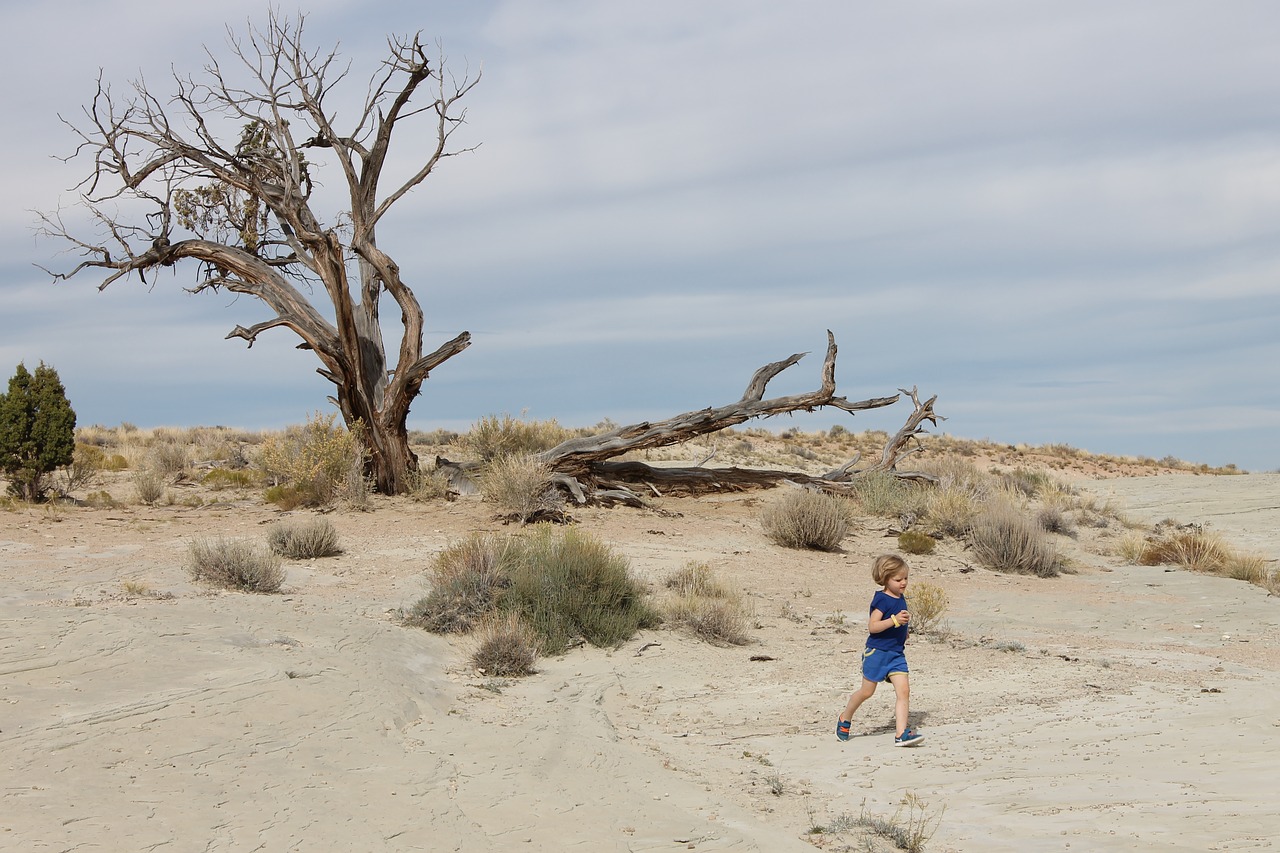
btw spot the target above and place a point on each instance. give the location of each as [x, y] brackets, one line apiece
[1061, 218]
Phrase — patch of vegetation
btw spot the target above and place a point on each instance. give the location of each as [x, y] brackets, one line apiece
[697, 600]
[572, 586]
[493, 437]
[909, 828]
[465, 581]
[231, 478]
[882, 494]
[304, 539]
[319, 462]
[520, 486]
[505, 646]
[566, 586]
[928, 605]
[235, 564]
[1004, 539]
[915, 542]
[149, 485]
[428, 485]
[807, 519]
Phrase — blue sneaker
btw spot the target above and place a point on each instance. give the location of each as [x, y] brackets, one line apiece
[910, 737]
[842, 729]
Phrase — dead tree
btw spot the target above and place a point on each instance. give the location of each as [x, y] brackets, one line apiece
[221, 173]
[586, 468]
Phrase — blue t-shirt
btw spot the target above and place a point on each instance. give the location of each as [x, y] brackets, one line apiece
[893, 639]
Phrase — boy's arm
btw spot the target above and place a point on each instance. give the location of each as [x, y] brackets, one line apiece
[878, 622]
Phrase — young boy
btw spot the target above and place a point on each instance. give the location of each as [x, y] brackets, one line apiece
[884, 659]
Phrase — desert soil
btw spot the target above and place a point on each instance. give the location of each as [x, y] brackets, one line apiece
[1117, 708]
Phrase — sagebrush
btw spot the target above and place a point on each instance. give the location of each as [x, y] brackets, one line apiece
[235, 564]
[803, 518]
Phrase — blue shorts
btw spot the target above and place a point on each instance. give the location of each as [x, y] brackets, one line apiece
[878, 664]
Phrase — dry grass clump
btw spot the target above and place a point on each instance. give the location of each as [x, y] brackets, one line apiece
[505, 646]
[952, 504]
[304, 539]
[1004, 539]
[235, 564]
[915, 542]
[927, 603]
[567, 587]
[520, 485]
[149, 484]
[465, 581]
[883, 494]
[951, 511]
[808, 519]
[429, 485]
[909, 829]
[492, 437]
[231, 478]
[168, 458]
[697, 600]
[1191, 548]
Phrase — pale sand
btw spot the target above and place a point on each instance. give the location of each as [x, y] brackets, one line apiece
[1141, 712]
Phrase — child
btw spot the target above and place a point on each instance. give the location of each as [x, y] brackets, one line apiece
[883, 659]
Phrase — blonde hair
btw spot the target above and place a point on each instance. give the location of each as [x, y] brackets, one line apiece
[886, 566]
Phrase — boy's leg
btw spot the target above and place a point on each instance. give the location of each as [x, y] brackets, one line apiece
[902, 707]
[862, 694]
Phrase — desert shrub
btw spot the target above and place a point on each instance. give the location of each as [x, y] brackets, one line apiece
[951, 511]
[169, 459]
[100, 500]
[465, 581]
[87, 461]
[1052, 518]
[428, 485]
[149, 484]
[915, 542]
[883, 494]
[315, 459]
[304, 539]
[235, 564]
[701, 603]
[1027, 483]
[807, 519]
[696, 579]
[288, 498]
[565, 587]
[493, 437]
[434, 438]
[1006, 540]
[799, 450]
[927, 604]
[520, 486]
[1191, 548]
[505, 646]
[571, 586]
[229, 478]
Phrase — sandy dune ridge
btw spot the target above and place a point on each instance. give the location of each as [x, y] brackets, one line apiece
[1118, 708]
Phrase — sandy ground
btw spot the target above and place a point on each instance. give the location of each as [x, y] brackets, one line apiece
[1118, 708]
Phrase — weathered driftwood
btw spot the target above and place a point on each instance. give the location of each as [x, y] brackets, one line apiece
[586, 469]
